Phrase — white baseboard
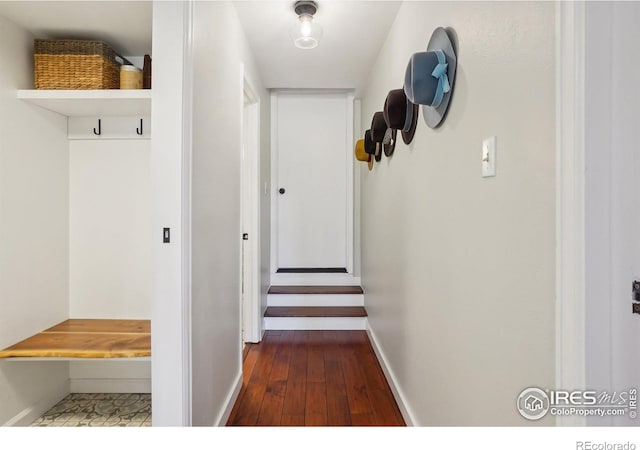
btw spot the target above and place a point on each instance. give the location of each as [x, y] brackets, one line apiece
[391, 379]
[315, 323]
[230, 402]
[111, 385]
[315, 300]
[314, 279]
[28, 415]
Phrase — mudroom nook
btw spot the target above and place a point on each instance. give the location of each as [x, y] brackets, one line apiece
[76, 212]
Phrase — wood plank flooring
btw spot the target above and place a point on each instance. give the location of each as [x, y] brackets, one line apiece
[314, 378]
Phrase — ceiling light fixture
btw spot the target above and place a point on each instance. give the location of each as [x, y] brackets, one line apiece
[304, 32]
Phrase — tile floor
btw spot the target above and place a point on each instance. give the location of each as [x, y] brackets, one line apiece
[99, 410]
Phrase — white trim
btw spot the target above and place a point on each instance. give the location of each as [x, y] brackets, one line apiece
[349, 177]
[230, 401]
[274, 186]
[570, 201]
[315, 300]
[28, 415]
[110, 385]
[349, 250]
[187, 133]
[171, 173]
[323, 279]
[315, 323]
[253, 313]
[398, 394]
[357, 198]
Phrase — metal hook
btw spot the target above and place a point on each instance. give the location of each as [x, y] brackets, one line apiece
[99, 131]
[139, 130]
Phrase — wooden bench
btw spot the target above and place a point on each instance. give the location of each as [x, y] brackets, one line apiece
[87, 338]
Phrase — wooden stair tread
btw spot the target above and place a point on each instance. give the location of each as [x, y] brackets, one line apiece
[315, 290]
[315, 311]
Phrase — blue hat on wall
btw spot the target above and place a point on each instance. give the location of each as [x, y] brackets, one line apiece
[430, 77]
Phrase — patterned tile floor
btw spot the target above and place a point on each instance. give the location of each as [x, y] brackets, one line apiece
[99, 410]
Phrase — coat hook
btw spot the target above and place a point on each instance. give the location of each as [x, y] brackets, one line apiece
[139, 130]
[98, 132]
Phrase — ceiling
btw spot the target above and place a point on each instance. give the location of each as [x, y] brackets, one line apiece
[353, 34]
[124, 25]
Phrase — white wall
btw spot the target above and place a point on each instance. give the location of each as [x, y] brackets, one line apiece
[110, 250]
[34, 218]
[612, 204]
[459, 271]
[109, 229]
[220, 50]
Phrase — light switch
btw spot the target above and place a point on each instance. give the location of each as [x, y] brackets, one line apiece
[489, 157]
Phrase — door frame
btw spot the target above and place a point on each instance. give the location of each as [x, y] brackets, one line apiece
[287, 278]
[570, 201]
[171, 381]
[250, 301]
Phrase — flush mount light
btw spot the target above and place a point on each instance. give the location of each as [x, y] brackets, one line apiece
[304, 32]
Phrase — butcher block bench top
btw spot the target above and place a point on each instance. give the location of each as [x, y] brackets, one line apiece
[87, 338]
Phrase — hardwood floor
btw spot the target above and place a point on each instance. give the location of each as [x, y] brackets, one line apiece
[314, 378]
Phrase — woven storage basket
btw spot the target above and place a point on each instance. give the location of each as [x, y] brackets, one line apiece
[75, 64]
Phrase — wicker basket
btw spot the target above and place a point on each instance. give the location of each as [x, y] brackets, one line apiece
[75, 64]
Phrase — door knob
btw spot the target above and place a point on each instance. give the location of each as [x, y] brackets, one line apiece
[281, 190]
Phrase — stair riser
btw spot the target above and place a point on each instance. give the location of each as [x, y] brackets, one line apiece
[316, 279]
[315, 300]
[315, 323]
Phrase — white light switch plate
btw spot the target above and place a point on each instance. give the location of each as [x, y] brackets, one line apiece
[489, 157]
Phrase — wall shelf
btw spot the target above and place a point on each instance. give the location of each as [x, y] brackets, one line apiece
[78, 103]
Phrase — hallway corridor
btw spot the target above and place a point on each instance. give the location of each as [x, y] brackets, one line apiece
[314, 378]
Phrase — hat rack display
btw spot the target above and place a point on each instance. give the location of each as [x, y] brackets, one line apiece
[429, 82]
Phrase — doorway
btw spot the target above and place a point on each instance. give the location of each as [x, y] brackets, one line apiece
[250, 221]
[312, 183]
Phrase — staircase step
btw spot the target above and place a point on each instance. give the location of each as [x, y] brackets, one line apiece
[315, 300]
[315, 290]
[315, 311]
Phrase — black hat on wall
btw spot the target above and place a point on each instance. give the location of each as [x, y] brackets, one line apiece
[369, 148]
[369, 145]
[401, 114]
[378, 131]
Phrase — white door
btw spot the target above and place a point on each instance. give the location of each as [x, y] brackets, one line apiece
[313, 134]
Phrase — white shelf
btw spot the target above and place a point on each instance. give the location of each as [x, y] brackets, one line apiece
[99, 103]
